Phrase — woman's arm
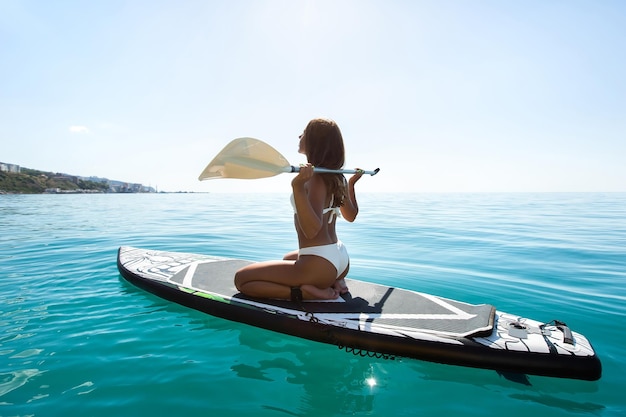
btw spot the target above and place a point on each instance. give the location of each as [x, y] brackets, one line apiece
[309, 193]
[350, 207]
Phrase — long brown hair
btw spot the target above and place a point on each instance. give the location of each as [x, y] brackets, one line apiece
[324, 148]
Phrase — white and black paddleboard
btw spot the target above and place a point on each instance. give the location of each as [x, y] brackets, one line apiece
[372, 318]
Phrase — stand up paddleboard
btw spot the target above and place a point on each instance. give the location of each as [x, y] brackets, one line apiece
[372, 318]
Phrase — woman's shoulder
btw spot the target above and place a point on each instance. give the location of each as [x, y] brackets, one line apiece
[317, 186]
[317, 180]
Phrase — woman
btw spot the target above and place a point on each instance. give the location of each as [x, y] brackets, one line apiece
[317, 269]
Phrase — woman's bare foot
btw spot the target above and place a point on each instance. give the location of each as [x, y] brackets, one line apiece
[340, 286]
[311, 292]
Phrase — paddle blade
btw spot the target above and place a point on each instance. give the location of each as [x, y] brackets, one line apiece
[246, 158]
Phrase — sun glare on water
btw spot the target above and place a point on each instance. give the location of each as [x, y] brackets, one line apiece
[371, 382]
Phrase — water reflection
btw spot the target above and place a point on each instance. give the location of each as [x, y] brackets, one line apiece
[333, 382]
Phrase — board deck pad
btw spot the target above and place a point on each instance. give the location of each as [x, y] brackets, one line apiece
[374, 303]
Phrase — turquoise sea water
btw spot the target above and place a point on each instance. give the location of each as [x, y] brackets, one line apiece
[76, 339]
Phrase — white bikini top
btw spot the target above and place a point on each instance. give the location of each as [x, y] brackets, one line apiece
[334, 211]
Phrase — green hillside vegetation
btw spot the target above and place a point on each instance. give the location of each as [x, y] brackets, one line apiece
[31, 181]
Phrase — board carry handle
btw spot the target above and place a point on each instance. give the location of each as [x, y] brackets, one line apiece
[568, 337]
[567, 333]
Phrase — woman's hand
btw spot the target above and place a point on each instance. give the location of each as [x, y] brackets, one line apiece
[305, 174]
[356, 177]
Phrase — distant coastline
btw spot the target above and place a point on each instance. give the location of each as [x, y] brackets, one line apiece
[15, 179]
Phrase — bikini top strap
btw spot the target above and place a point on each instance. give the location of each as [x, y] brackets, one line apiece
[334, 211]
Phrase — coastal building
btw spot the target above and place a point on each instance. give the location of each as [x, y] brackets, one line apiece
[4, 167]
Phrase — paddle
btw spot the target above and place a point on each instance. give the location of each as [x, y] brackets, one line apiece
[248, 158]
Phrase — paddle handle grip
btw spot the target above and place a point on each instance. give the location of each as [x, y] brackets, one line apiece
[336, 171]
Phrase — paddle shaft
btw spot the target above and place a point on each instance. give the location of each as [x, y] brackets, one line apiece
[335, 171]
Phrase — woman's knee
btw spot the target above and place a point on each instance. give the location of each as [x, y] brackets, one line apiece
[240, 278]
[238, 281]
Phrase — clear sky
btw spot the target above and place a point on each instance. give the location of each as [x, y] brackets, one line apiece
[442, 95]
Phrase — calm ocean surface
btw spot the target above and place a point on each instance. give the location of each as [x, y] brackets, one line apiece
[76, 339]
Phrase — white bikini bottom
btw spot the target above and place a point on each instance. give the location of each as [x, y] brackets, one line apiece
[335, 253]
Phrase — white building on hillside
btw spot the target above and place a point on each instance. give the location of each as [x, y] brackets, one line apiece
[9, 167]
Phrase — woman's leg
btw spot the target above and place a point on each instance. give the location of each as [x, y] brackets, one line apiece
[291, 256]
[340, 283]
[274, 279]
